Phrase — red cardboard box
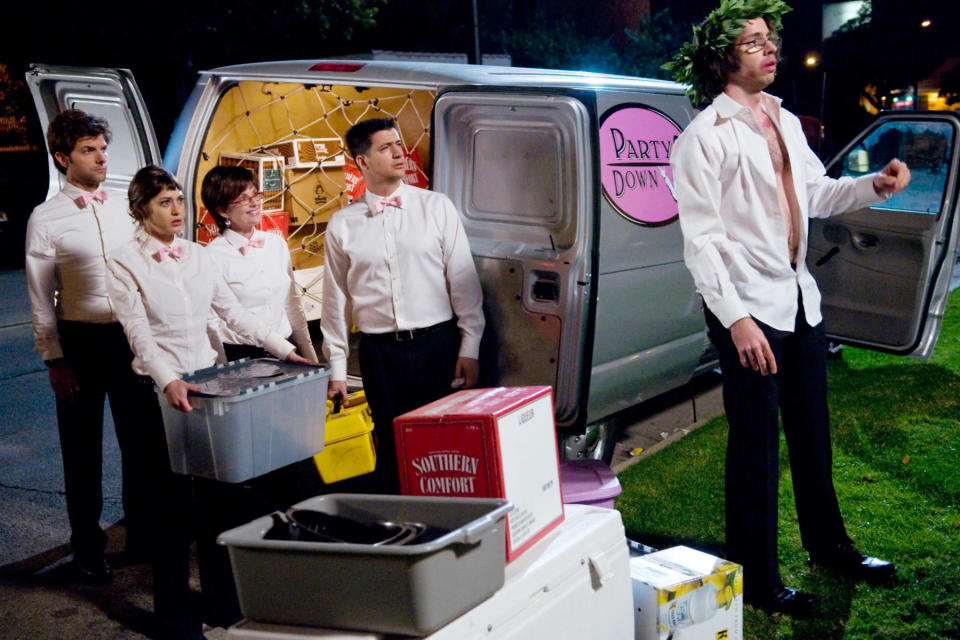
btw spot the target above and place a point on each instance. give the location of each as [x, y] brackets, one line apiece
[487, 443]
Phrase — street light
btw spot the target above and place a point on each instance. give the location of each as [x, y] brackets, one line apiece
[926, 23]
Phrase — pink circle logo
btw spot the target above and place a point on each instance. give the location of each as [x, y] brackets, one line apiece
[635, 147]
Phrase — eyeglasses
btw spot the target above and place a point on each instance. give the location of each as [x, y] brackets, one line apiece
[245, 200]
[759, 43]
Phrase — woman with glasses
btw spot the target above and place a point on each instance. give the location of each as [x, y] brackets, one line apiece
[255, 263]
[257, 268]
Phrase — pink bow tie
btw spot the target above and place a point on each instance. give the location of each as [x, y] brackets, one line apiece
[389, 202]
[174, 251]
[100, 195]
[256, 243]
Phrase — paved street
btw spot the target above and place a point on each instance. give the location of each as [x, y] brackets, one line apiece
[31, 477]
[39, 597]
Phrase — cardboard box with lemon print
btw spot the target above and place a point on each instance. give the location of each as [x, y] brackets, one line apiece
[684, 594]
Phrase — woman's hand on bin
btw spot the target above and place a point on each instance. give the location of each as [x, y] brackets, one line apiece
[295, 357]
[176, 394]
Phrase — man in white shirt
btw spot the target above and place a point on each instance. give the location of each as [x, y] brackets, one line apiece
[69, 238]
[398, 267]
[747, 182]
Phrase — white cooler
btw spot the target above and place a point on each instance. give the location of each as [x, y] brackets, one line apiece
[574, 583]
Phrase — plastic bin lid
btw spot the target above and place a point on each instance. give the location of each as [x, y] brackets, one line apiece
[245, 376]
[587, 481]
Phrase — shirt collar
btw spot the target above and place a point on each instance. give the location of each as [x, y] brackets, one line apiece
[372, 199]
[73, 192]
[235, 239]
[727, 107]
[149, 245]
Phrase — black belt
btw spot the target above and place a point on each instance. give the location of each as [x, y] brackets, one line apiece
[410, 335]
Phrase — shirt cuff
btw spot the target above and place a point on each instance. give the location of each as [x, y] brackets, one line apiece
[865, 191]
[277, 345]
[305, 344]
[469, 347]
[728, 310]
[162, 375]
[50, 351]
[338, 369]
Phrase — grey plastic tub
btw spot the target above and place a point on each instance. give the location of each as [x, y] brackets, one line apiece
[410, 590]
[243, 426]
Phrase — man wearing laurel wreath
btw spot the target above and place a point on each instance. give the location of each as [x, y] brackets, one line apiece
[747, 183]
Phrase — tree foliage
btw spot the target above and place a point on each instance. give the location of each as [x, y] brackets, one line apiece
[658, 37]
[552, 43]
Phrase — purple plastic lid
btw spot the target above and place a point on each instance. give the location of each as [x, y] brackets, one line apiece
[584, 481]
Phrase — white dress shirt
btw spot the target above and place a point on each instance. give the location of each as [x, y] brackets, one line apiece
[164, 306]
[734, 235]
[404, 268]
[67, 248]
[262, 279]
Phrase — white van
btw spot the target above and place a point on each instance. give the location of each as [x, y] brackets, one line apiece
[563, 182]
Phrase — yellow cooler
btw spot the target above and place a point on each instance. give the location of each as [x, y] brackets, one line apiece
[348, 440]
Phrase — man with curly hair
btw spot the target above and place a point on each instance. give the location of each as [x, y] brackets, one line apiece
[747, 183]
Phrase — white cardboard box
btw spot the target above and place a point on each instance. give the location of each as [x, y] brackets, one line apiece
[685, 594]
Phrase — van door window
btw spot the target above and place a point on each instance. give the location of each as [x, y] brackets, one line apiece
[924, 146]
[882, 267]
[515, 177]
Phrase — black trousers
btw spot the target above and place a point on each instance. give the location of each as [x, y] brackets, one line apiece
[402, 375]
[166, 508]
[751, 402]
[101, 359]
[222, 506]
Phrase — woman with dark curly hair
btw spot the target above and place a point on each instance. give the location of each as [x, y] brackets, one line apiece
[255, 263]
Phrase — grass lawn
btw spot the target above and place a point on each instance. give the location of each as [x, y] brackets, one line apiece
[896, 434]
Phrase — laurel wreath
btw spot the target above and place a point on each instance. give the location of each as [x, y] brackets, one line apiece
[713, 38]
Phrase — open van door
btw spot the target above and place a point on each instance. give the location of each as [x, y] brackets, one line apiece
[518, 167]
[885, 270]
[111, 94]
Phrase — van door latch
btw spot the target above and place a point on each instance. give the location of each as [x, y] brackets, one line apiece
[546, 287]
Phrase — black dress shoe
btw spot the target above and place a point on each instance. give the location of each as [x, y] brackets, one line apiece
[93, 570]
[796, 604]
[846, 560]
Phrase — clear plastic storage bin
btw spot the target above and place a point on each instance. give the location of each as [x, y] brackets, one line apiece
[253, 416]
